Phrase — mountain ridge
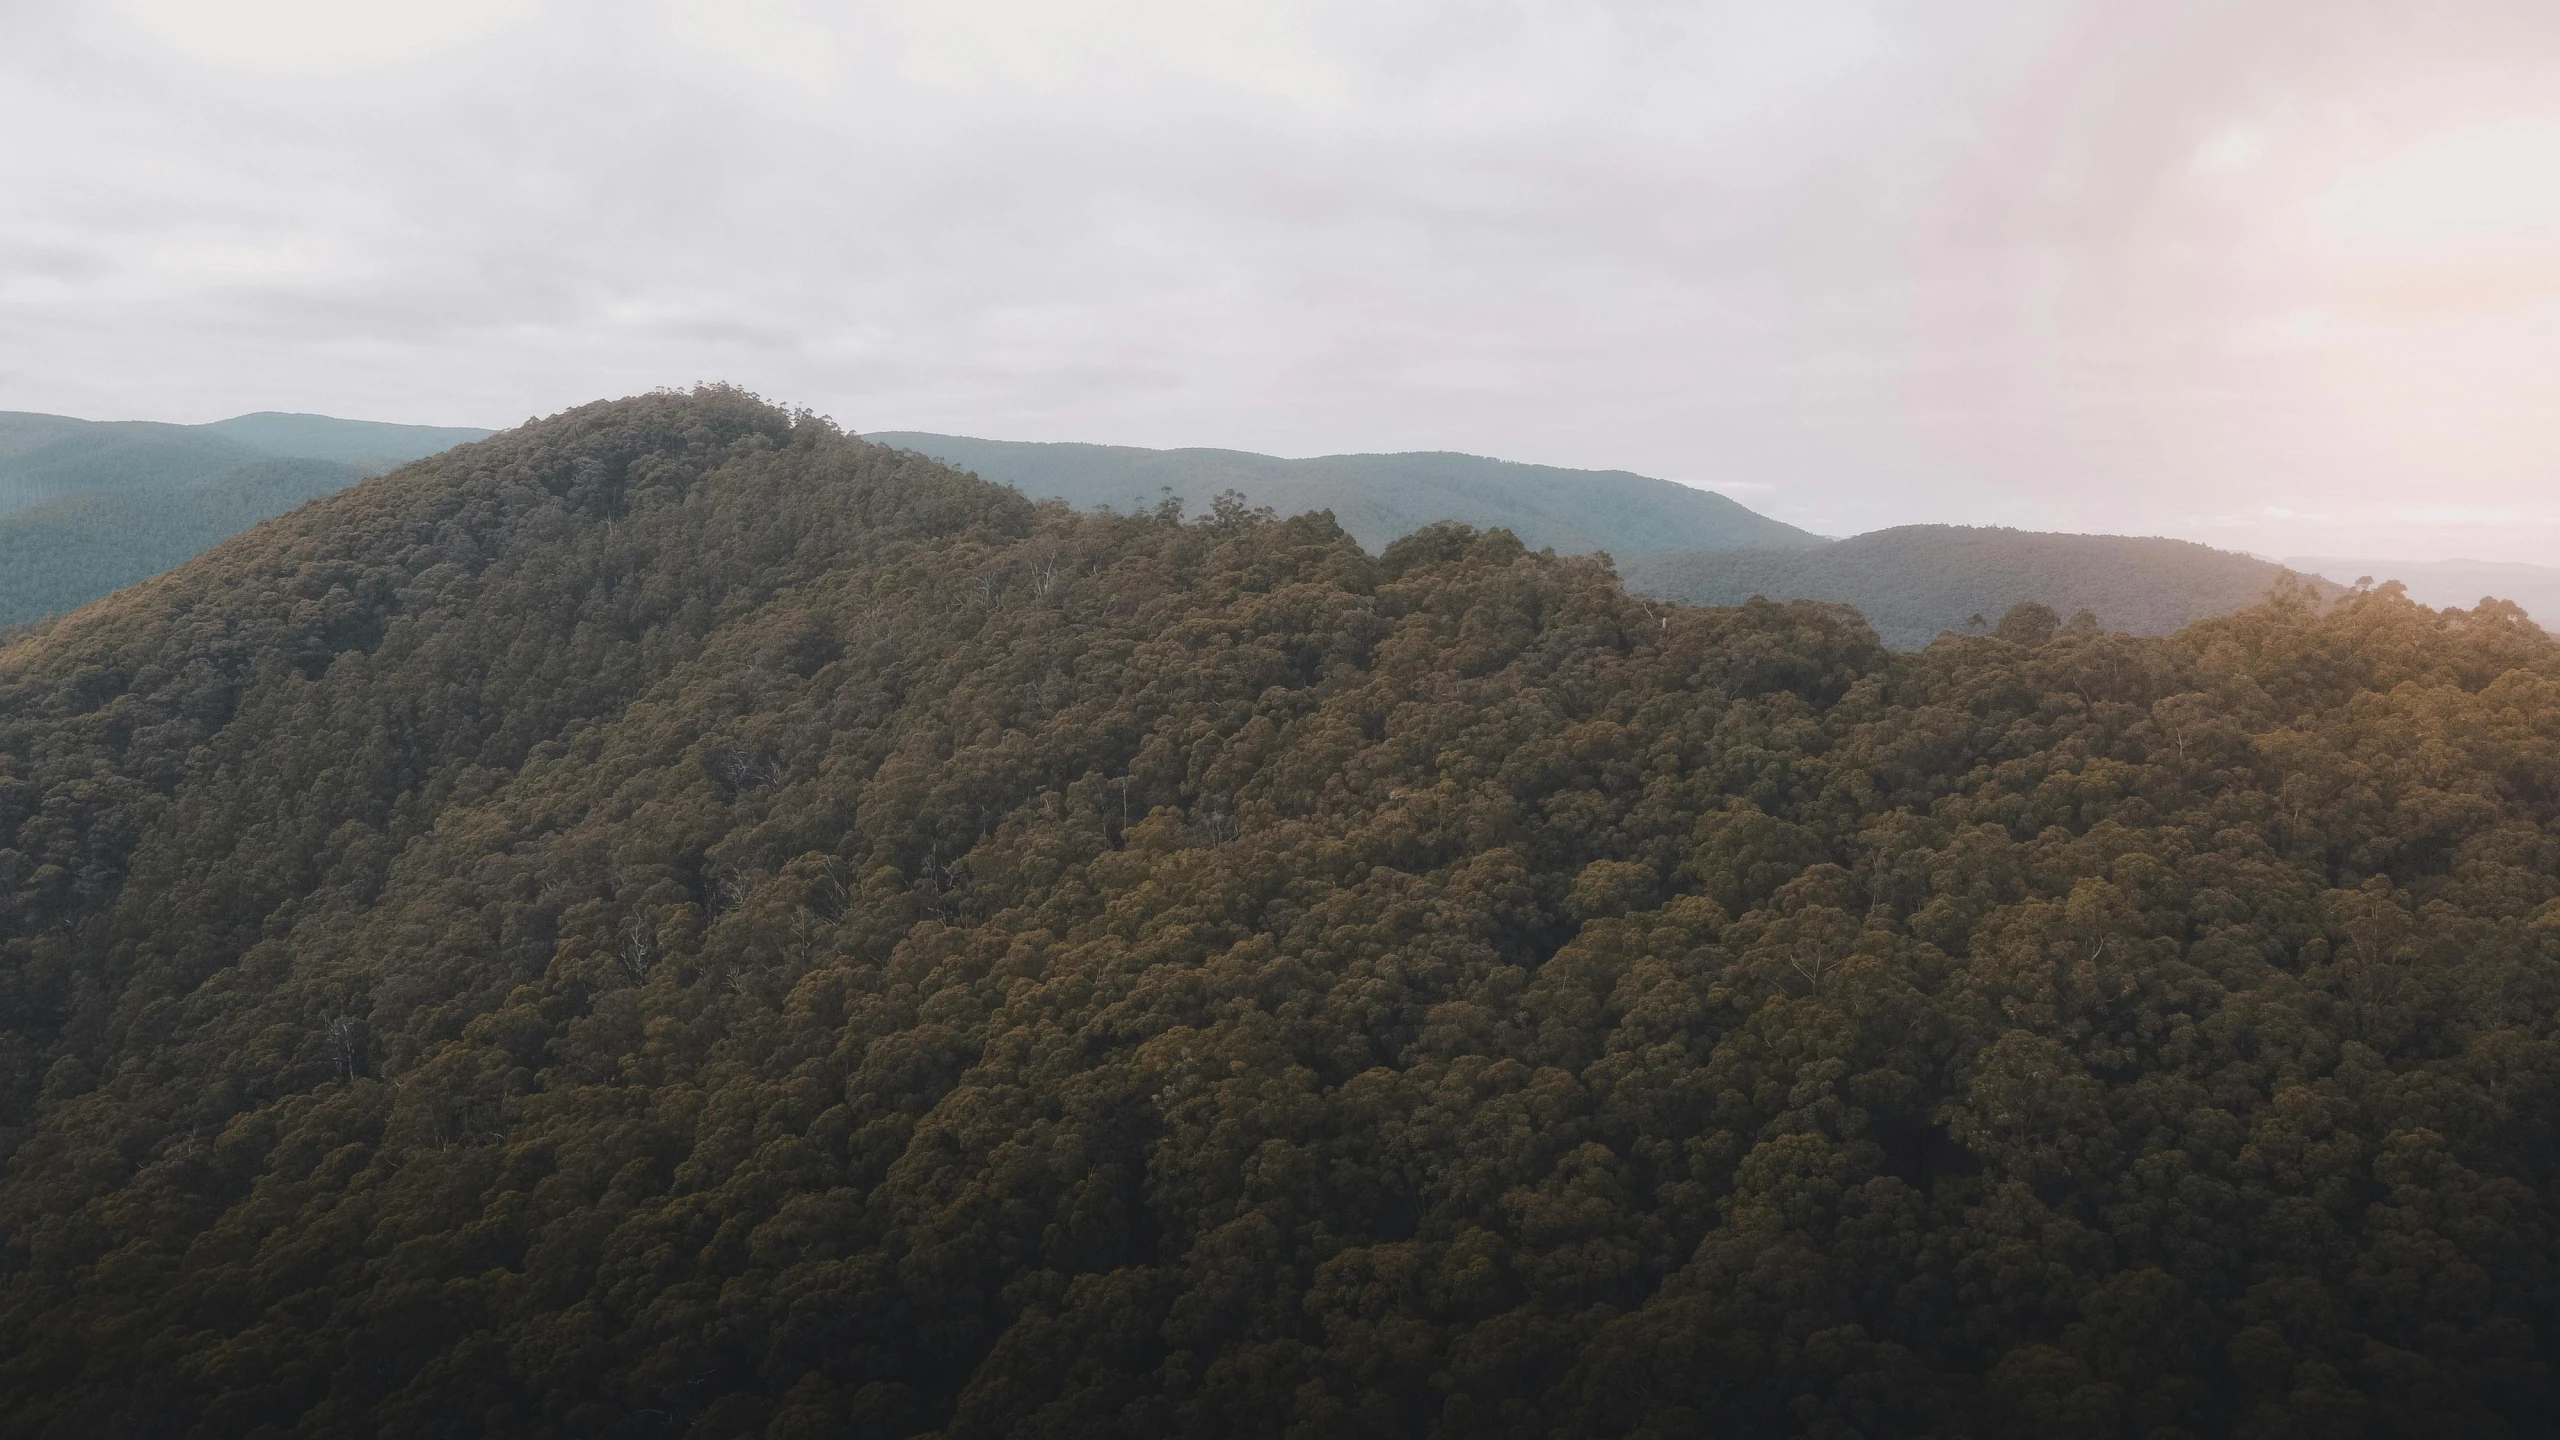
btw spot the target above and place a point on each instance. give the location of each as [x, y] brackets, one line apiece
[1378, 498]
[1915, 582]
[300, 436]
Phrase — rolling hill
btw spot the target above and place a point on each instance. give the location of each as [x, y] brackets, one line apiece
[326, 437]
[1914, 582]
[674, 921]
[43, 457]
[64, 552]
[87, 507]
[1378, 498]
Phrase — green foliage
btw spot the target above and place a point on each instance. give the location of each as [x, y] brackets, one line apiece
[61, 554]
[1379, 498]
[675, 921]
[1916, 582]
[90, 507]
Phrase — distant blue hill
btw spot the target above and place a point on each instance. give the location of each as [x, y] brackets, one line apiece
[91, 506]
[325, 437]
[1377, 498]
[1916, 582]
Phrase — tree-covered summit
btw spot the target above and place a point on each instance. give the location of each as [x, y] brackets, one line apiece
[678, 921]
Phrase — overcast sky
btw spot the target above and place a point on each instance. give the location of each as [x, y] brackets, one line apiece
[2281, 276]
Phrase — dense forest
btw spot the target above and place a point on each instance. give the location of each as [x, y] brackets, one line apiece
[46, 456]
[1916, 582]
[677, 921]
[87, 507]
[59, 555]
[1378, 499]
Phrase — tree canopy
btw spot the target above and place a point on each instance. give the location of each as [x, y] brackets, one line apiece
[2452, 582]
[677, 921]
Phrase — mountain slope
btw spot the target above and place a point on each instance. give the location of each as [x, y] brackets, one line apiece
[63, 553]
[87, 507]
[675, 921]
[1377, 498]
[1915, 581]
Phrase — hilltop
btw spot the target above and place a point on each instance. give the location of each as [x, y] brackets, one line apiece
[1377, 499]
[1914, 582]
[677, 921]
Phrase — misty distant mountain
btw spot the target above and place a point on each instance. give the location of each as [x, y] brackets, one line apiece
[326, 437]
[89, 506]
[74, 548]
[45, 456]
[1378, 498]
[2462, 583]
[1913, 582]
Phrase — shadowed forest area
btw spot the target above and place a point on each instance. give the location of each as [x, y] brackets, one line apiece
[676, 921]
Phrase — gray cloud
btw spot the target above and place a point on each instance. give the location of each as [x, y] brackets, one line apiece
[2077, 265]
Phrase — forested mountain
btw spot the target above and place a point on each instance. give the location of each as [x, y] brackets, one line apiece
[62, 553]
[43, 457]
[675, 921]
[1377, 498]
[2453, 582]
[87, 507]
[1913, 582]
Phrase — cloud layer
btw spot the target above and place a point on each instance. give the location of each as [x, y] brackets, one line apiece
[2283, 276]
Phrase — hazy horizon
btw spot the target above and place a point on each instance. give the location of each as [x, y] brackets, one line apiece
[2283, 279]
[2325, 564]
